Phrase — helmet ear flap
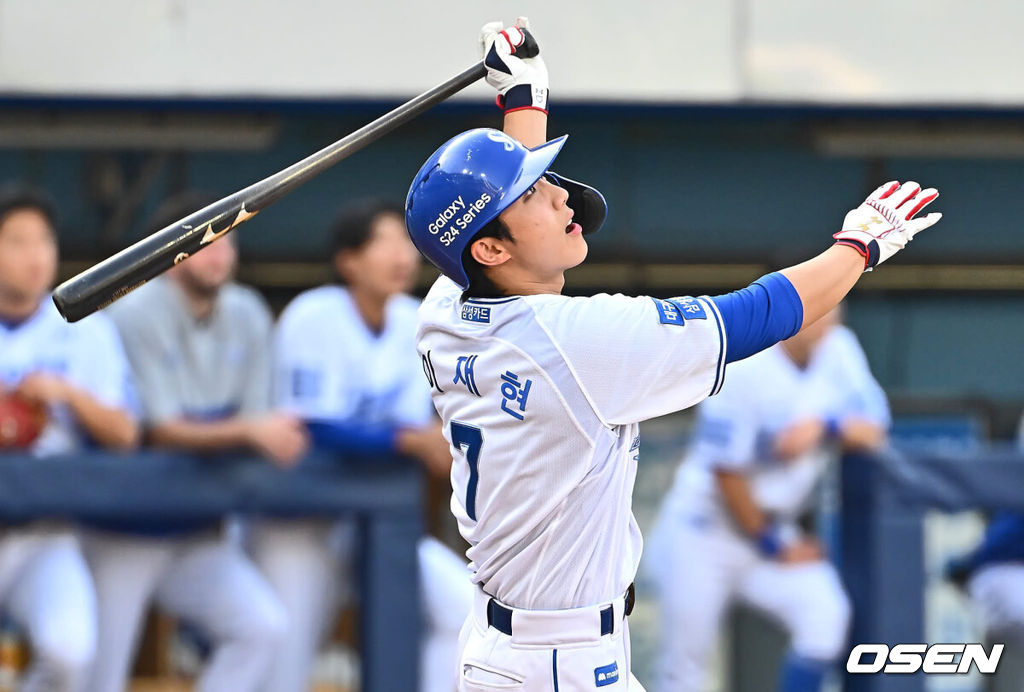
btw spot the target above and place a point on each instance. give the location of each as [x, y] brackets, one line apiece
[587, 203]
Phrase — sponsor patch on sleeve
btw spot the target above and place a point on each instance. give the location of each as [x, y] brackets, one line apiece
[669, 313]
[690, 308]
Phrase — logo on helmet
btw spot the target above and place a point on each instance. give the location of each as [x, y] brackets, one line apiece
[504, 139]
[444, 217]
[462, 222]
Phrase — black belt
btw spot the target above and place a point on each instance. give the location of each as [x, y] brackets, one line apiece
[500, 618]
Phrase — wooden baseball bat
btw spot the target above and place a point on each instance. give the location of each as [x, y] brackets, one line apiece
[116, 276]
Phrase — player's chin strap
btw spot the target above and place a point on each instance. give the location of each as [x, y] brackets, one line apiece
[587, 203]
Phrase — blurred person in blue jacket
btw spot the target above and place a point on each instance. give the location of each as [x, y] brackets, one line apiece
[199, 345]
[79, 374]
[993, 575]
[730, 531]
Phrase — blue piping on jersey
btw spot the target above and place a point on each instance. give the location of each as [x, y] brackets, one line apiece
[762, 314]
[492, 301]
[722, 348]
[554, 667]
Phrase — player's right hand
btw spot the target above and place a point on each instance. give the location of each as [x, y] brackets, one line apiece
[803, 549]
[885, 222]
[798, 438]
[514, 65]
[279, 437]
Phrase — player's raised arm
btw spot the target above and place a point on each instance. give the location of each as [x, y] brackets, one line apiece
[516, 69]
[777, 306]
[876, 230]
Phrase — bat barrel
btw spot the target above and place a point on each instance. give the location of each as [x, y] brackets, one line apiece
[125, 271]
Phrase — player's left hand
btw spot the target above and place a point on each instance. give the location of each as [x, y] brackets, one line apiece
[857, 435]
[514, 65]
[45, 388]
[885, 222]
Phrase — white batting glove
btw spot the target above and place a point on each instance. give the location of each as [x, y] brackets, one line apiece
[884, 223]
[514, 65]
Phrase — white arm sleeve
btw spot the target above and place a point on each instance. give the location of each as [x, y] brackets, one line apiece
[638, 358]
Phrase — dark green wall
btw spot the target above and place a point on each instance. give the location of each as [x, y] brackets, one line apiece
[719, 185]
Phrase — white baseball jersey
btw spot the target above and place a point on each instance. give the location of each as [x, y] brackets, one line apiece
[541, 397]
[766, 393]
[87, 353]
[331, 366]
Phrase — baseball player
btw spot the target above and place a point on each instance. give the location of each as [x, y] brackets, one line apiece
[347, 364]
[200, 348]
[540, 395]
[729, 528]
[80, 373]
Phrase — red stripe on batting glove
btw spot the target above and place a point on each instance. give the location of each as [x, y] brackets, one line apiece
[920, 205]
[895, 186]
[511, 46]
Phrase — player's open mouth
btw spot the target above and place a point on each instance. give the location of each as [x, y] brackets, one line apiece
[573, 227]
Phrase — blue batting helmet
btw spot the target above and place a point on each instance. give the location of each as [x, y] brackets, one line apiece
[471, 179]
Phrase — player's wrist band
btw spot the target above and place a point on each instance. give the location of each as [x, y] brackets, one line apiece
[869, 251]
[769, 542]
[523, 96]
[832, 427]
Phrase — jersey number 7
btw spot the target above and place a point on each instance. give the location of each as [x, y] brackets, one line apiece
[472, 439]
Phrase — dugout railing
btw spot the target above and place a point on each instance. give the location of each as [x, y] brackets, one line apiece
[385, 496]
[882, 538]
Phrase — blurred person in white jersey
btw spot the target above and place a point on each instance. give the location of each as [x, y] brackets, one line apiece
[347, 365]
[79, 373]
[730, 528]
[541, 395]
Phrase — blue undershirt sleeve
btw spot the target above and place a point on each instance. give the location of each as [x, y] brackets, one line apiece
[760, 315]
[353, 438]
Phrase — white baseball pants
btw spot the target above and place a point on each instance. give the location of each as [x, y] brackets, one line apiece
[309, 563]
[705, 567]
[552, 650]
[46, 587]
[997, 591]
[201, 578]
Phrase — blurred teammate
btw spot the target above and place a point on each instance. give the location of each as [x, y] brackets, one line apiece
[199, 345]
[728, 529]
[80, 373]
[347, 364]
[541, 395]
[993, 576]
